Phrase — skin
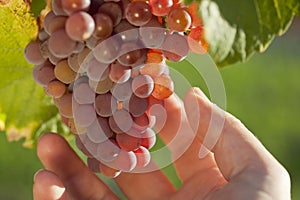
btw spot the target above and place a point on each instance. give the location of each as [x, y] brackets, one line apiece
[237, 167]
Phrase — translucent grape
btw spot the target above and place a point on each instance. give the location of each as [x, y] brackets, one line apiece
[163, 87]
[84, 27]
[97, 71]
[128, 142]
[113, 10]
[122, 91]
[81, 141]
[119, 73]
[105, 105]
[136, 106]
[60, 44]
[143, 157]
[193, 10]
[126, 31]
[101, 87]
[148, 138]
[75, 128]
[126, 161]
[120, 121]
[138, 13]
[179, 19]
[175, 47]
[142, 86]
[84, 115]
[57, 7]
[83, 93]
[130, 53]
[43, 74]
[73, 62]
[71, 6]
[99, 130]
[153, 69]
[56, 23]
[196, 41]
[107, 51]
[33, 53]
[55, 89]
[160, 7]
[64, 73]
[107, 151]
[103, 25]
[141, 123]
[152, 34]
[65, 105]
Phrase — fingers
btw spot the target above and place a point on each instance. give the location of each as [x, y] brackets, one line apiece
[46, 182]
[81, 183]
[147, 185]
[235, 148]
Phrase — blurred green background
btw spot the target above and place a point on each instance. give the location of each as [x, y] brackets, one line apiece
[263, 93]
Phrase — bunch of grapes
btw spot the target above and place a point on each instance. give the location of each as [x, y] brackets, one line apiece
[104, 64]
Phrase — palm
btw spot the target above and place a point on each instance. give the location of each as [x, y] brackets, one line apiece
[238, 167]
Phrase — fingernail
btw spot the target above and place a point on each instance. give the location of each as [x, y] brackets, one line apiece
[199, 92]
[34, 176]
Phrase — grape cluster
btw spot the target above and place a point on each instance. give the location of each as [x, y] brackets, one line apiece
[104, 64]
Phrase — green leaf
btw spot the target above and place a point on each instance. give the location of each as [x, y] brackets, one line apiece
[23, 104]
[235, 30]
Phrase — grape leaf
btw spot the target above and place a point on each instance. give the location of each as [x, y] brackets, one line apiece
[235, 30]
[23, 104]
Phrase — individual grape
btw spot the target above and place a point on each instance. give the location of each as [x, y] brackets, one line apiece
[55, 89]
[81, 141]
[64, 73]
[103, 26]
[107, 151]
[56, 23]
[48, 18]
[79, 47]
[122, 91]
[72, 6]
[148, 138]
[99, 130]
[121, 121]
[129, 54]
[33, 53]
[126, 161]
[43, 35]
[65, 105]
[196, 41]
[179, 19]
[43, 74]
[113, 10]
[83, 94]
[193, 10]
[160, 7]
[107, 50]
[105, 105]
[92, 42]
[136, 105]
[108, 171]
[101, 87]
[142, 86]
[90, 148]
[53, 59]
[175, 47]
[84, 115]
[60, 45]
[128, 142]
[163, 87]
[75, 128]
[154, 57]
[73, 62]
[84, 27]
[57, 7]
[138, 13]
[93, 164]
[141, 123]
[153, 69]
[82, 56]
[152, 34]
[143, 157]
[97, 71]
[44, 49]
[126, 31]
[119, 73]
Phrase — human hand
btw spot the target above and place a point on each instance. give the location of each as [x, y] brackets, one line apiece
[237, 167]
